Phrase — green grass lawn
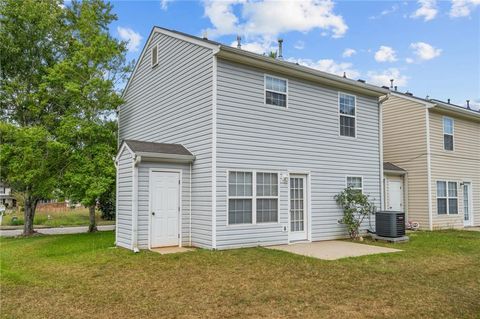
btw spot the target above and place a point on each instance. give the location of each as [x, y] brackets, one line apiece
[83, 276]
[74, 217]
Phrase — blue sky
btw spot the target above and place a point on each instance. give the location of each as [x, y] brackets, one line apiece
[429, 47]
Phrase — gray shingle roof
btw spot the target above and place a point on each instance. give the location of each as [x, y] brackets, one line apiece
[160, 148]
[387, 166]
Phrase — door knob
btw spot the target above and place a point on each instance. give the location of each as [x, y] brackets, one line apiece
[153, 213]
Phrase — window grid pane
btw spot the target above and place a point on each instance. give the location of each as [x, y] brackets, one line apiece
[240, 211]
[448, 142]
[267, 210]
[447, 126]
[347, 104]
[347, 126]
[441, 189]
[273, 98]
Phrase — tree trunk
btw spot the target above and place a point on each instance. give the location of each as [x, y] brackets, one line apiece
[93, 226]
[28, 216]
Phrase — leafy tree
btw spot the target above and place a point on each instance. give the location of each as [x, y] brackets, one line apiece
[87, 77]
[30, 159]
[31, 42]
[356, 206]
[59, 73]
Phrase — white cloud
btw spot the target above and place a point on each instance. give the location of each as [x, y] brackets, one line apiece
[428, 10]
[259, 47]
[330, 66]
[164, 4]
[474, 105]
[348, 52]
[132, 38]
[409, 60]
[385, 12]
[270, 18]
[463, 8]
[383, 77]
[385, 54]
[299, 45]
[425, 51]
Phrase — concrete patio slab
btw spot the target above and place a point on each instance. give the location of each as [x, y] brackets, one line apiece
[333, 249]
[473, 228]
[171, 250]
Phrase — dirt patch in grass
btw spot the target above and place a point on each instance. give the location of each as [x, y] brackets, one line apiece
[79, 276]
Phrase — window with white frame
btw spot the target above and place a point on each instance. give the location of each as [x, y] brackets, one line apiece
[447, 198]
[267, 197]
[275, 91]
[154, 52]
[355, 182]
[448, 134]
[240, 202]
[347, 113]
[248, 207]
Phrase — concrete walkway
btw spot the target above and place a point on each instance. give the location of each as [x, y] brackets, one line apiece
[55, 231]
[333, 249]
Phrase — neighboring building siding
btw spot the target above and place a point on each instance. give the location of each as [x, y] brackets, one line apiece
[405, 145]
[144, 200]
[304, 137]
[124, 199]
[172, 103]
[462, 164]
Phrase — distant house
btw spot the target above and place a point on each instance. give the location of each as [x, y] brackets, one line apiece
[224, 148]
[432, 150]
[6, 197]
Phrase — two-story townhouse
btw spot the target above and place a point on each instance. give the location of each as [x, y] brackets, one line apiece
[432, 154]
[224, 148]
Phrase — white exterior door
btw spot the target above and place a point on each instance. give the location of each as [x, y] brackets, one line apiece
[467, 204]
[298, 208]
[395, 195]
[165, 209]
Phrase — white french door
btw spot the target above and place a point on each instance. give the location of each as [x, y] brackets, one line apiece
[298, 208]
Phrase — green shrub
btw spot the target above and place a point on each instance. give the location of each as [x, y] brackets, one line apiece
[356, 206]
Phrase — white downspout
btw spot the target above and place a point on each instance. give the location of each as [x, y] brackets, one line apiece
[115, 162]
[136, 160]
[380, 137]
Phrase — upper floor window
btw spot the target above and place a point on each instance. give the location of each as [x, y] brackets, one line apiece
[448, 134]
[355, 182]
[275, 91]
[447, 198]
[154, 55]
[347, 112]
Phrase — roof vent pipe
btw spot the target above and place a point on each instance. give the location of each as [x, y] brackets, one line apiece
[395, 88]
[391, 84]
[448, 101]
[468, 104]
[205, 35]
[344, 75]
[280, 49]
[239, 42]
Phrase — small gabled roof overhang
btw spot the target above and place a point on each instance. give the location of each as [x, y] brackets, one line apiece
[157, 152]
[389, 168]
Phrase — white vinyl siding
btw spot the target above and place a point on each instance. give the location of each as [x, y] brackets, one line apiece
[275, 91]
[448, 127]
[304, 140]
[172, 103]
[347, 107]
[447, 198]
